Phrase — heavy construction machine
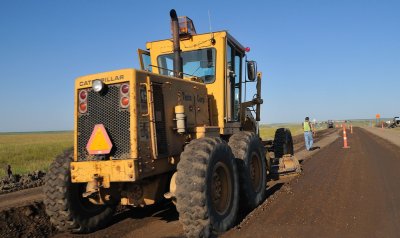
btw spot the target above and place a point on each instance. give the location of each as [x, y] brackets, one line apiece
[394, 123]
[176, 129]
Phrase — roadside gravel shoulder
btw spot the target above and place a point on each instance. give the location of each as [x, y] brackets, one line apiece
[391, 135]
[319, 144]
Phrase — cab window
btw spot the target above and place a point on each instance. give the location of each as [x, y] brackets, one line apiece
[144, 60]
[234, 75]
[199, 63]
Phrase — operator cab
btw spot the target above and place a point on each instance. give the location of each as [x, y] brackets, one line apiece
[217, 59]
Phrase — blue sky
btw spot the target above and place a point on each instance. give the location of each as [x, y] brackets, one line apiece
[323, 59]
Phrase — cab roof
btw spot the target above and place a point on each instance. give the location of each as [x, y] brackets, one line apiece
[224, 33]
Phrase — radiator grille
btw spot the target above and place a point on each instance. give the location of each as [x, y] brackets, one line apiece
[104, 109]
[159, 112]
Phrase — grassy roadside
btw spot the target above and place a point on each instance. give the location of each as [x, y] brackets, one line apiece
[268, 131]
[27, 152]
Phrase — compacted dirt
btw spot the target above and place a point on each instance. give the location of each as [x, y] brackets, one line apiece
[26, 221]
[22, 214]
[342, 193]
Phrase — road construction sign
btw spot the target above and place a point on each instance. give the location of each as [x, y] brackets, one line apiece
[99, 142]
[378, 116]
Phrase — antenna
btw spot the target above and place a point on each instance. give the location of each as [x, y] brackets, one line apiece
[209, 19]
[212, 40]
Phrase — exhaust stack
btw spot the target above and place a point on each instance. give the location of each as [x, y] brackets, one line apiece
[178, 66]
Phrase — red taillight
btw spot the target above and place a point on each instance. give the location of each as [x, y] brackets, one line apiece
[124, 88]
[123, 95]
[82, 107]
[83, 95]
[124, 102]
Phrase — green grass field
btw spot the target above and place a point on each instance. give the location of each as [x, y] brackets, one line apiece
[268, 131]
[27, 152]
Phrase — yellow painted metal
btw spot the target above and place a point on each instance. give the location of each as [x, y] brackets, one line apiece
[143, 123]
[204, 105]
[179, 109]
[109, 170]
[216, 91]
[205, 131]
[153, 133]
[112, 77]
[190, 95]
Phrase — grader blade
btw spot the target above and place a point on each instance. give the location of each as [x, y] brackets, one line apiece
[287, 165]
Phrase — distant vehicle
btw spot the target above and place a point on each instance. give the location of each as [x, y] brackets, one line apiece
[330, 124]
[395, 123]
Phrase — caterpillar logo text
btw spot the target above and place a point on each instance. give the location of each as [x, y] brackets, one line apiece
[105, 80]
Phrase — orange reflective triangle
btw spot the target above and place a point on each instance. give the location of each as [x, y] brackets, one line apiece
[99, 142]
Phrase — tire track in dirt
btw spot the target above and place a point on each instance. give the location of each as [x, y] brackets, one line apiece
[342, 193]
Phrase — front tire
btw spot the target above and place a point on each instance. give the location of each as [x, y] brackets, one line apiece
[250, 157]
[283, 143]
[67, 209]
[207, 188]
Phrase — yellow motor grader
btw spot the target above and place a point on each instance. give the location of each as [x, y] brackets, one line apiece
[178, 128]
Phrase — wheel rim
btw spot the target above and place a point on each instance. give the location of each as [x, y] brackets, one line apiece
[255, 171]
[221, 188]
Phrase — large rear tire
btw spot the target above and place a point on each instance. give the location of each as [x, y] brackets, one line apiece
[207, 189]
[250, 157]
[283, 143]
[67, 209]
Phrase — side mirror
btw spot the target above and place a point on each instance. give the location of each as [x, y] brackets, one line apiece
[251, 70]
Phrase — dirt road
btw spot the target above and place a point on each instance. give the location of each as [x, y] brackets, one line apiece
[20, 198]
[162, 220]
[342, 193]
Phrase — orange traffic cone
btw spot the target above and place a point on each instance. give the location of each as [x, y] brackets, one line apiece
[345, 146]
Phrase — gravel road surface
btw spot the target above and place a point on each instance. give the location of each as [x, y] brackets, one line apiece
[154, 221]
[342, 193]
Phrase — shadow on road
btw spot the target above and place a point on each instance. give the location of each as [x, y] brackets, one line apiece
[270, 191]
[165, 211]
[315, 148]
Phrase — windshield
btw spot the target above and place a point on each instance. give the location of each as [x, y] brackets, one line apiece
[199, 63]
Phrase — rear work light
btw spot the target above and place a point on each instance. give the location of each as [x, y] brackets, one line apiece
[97, 85]
[82, 101]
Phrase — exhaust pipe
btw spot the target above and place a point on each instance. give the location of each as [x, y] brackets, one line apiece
[178, 66]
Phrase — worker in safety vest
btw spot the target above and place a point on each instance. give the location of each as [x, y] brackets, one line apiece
[308, 133]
